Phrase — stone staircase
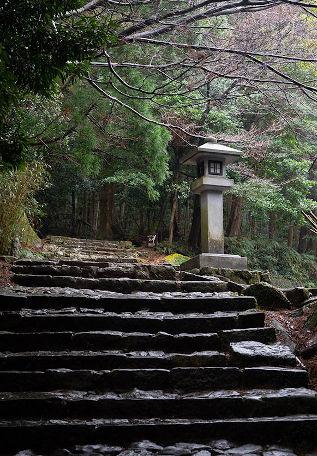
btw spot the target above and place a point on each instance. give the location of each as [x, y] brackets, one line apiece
[98, 350]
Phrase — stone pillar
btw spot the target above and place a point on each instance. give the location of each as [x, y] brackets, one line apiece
[211, 160]
[212, 236]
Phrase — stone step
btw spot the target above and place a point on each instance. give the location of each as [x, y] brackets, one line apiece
[116, 359]
[116, 340]
[131, 271]
[59, 433]
[78, 241]
[179, 379]
[103, 262]
[246, 352]
[119, 285]
[138, 404]
[96, 249]
[108, 340]
[128, 322]
[41, 360]
[129, 303]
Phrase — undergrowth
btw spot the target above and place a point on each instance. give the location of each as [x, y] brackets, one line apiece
[287, 266]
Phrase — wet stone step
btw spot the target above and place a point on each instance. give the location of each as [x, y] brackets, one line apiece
[117, 302]
[109, 360]
[266, 335]
[117, 340]
[247, 352]
[37, 433]
[119, 285]
[103, 262]
[119, 271]
[151, 404]
[182, 379]
[107, 340]
[202, 448]
[154, 322]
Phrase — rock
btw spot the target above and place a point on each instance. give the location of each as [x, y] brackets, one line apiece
[283, 335]
[98, 449]
[184, 275]
[158, 272]
[146, 445]
[235, 287]
[134, 452]
[277, 450]
[25, 453]
[176, 451]
[221, 445]
[244, 277]
[203, 453]
[278, 453]
[245, 449]
[256, 351]
[61, 452]
[268, 297]
[193, 446]
[297, 296]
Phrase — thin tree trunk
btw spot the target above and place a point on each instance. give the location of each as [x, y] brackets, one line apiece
[235, 217]
[74, 204]
[290, 236]
[302, 240]
[272, 225]
[172, 219]
[194, 234]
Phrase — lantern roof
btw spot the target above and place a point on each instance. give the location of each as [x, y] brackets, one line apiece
[211, 151]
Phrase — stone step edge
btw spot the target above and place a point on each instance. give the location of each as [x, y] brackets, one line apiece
[119, 280]
[145, 315]
[184, 370]
[78, 395]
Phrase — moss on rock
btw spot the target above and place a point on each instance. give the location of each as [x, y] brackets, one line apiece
[267, 296]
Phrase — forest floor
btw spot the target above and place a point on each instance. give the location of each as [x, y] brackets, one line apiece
[5, 274]
[294, 326]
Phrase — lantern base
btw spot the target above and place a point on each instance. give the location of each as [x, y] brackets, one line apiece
[216, 260]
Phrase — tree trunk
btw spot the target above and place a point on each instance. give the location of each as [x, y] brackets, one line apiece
[272, 225]
[235, 217]
[302, 240]
[194, 234]
[95, 215]
[106, 209]
[172, 219]
[74, 205]
[290, 236]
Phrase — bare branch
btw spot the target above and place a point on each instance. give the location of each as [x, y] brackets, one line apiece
[147, 119]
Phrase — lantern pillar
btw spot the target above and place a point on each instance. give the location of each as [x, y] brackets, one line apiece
[211, 220]
[211, 160]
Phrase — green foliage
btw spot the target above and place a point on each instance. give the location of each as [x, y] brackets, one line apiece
[40, 47]
[38, 41]
[18, 206]
[276, 257]
[176, 259]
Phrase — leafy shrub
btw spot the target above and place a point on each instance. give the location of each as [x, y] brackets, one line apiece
[287, 266]
[17, 203]
[175, 259]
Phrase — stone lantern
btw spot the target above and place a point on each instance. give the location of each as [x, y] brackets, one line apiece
[211, 160]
